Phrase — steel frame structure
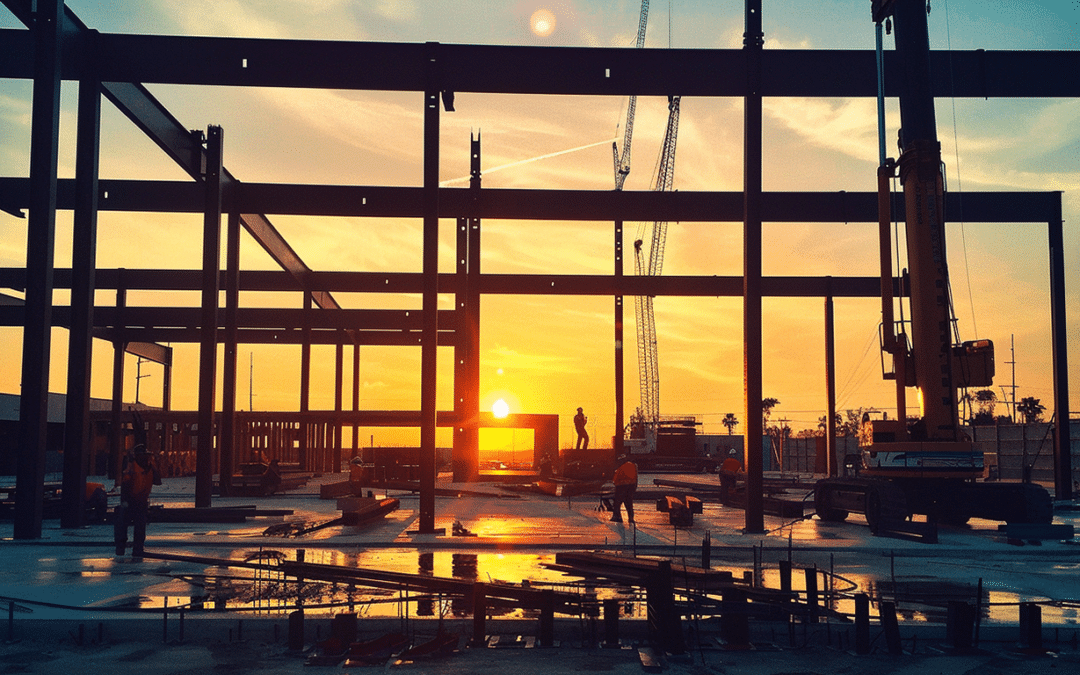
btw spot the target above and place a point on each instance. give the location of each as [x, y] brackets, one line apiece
[57, 46]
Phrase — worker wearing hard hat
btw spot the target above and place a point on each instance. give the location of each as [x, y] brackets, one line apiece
[729, 474]
[625, 480]
[582, 435]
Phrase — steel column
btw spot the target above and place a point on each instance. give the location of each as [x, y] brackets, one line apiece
[117, 403]
[830, 386]
[1063, 470]
[204, 451]
[471, 324]
[305, 383]
[753, 39]
[227, 453]
[620, 411]
[459, 454]
[80, 336]
[339, 381]
[429, 342]
[41, 232]
[356, 396]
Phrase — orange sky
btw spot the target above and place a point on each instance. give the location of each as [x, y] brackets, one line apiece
[553, 354]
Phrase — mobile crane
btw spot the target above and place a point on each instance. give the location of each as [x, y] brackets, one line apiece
[928, 467]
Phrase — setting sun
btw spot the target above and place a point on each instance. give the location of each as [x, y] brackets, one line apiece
[500, 409]
[542, 22]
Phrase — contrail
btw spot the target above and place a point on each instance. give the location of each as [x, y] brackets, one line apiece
[463, 179]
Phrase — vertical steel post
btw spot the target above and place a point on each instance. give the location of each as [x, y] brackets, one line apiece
[753, 41]
[305, 386]
[229, 367]
[116, 437]
[620, 411]
[339, 383]
[429, 341]
[41, 232]
[204, 451]
[80, 336]
[356, 396]
[1063, 471]
[472, 327]
[462, 357]
[830, 383]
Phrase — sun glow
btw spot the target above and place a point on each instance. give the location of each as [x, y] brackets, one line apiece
[542, 23]
[500, 409]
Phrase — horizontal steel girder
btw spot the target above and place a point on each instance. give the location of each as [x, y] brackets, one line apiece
[602, 71]
[520, 204]
[372, 282]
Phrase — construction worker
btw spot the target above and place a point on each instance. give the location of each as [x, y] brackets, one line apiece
[582, 435]
[625, 480]
[729, 474]
[137, 479]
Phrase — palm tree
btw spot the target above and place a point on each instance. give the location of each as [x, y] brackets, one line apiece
[767, 404]
[1031, 409]
[730, 421]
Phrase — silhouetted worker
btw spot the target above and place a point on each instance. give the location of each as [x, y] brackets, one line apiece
[271, 478]
[729, 474]
[139, 476]
[625, 480]
[582, 435]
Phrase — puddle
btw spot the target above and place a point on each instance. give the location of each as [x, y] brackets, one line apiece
[918, 599]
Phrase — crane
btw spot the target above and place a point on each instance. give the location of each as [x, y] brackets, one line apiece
[928, 466]
[622, 163]
[650, 262]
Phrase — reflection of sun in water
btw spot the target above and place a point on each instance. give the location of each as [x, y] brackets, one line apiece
[542, 22]
[500, 408]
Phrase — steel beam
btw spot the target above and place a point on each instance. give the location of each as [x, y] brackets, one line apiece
[214, 183]
[613, 71]
[407, 282]
[80, 336]
[529, 205]
[41, 232]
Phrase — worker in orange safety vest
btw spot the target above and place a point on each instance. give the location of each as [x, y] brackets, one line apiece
[138, 478]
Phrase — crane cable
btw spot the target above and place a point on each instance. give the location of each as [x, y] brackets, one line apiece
[959, 182]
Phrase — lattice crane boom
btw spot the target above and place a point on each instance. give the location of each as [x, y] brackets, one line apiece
[622, 162]
[651, 263]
